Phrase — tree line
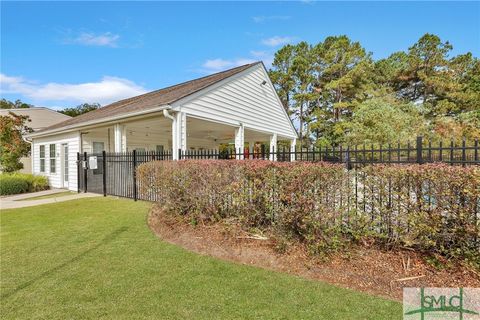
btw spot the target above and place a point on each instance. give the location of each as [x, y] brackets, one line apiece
[337, 93]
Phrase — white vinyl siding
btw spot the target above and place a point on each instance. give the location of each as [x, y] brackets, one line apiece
[242, 99]
[55, 179]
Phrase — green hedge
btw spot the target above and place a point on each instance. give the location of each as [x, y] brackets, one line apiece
[431, 208]
[16, 183]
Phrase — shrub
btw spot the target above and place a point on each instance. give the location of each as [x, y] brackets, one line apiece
[16, 183]
[10, 184]
[431, 208]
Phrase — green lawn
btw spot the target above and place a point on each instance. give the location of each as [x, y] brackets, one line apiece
[96, 258]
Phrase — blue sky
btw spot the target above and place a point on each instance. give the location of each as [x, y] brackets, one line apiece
[60, 54]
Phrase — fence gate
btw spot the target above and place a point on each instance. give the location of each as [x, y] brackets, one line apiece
[113, 173]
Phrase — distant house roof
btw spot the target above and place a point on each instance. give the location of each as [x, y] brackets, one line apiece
[40, 118]
[152, 99]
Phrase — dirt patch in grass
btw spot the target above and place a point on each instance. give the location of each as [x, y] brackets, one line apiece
[366, 268]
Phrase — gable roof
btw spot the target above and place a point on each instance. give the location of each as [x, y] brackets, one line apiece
[150, 100]
[39, 117]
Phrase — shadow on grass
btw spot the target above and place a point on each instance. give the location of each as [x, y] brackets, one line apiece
[49, 272]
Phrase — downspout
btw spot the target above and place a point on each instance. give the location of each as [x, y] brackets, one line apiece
[167, 114]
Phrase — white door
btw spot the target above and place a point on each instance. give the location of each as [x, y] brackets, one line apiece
[65, 165]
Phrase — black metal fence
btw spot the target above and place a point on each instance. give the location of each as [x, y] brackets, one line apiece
[419, 152]
[114, 173]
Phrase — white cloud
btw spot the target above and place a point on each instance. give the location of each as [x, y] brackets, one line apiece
[106, 39]
[276, 41]
[266, 57]
[219, 64]
[260, 19]
[258, 53]
[216, 65]
[107, 90]
[9, 81]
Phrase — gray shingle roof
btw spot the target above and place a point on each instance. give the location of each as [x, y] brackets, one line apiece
[151, 99]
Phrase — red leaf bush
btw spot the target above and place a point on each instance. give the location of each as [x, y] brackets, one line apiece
[431, 207]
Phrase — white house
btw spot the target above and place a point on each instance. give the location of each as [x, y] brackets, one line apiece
[39, 119]
[237, 106]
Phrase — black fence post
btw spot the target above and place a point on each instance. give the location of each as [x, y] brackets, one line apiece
[440, 155]
[79, 165]
[419, 150]
[347, 158]
[85, 188]
[179, 154]
[134, 175]
[104, 165]
[476, 151]
[464, 152]
[451, 152]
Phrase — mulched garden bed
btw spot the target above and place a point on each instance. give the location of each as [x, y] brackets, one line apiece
[365, 268]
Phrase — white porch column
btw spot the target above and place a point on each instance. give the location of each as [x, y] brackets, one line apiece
[124, 138]
[179, 134]
[293, 144]
[273, 147]
[174, 138]
[119, 138]
[183, 131]
[239, 141]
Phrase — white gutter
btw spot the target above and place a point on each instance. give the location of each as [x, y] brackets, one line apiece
[97, 121]
[167, 114]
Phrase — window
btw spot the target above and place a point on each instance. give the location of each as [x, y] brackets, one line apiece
[53, 162]
[98, 147]
[42, 158]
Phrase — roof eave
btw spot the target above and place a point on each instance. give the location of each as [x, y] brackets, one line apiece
[106, 120]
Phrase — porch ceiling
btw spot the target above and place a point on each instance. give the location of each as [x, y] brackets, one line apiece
[202, 129]
[196, 128]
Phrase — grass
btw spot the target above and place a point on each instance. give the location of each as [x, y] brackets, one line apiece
[96, 259]
[48, 196]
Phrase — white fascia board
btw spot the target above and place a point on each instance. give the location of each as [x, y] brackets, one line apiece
[294, 131]
[103, 121]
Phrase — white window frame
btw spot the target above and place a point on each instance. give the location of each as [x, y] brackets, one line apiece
[42, 159]
[53, 160]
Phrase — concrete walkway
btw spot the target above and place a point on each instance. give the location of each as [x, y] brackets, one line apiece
[13, 202]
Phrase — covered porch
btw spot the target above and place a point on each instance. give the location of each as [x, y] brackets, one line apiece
[171, 132]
